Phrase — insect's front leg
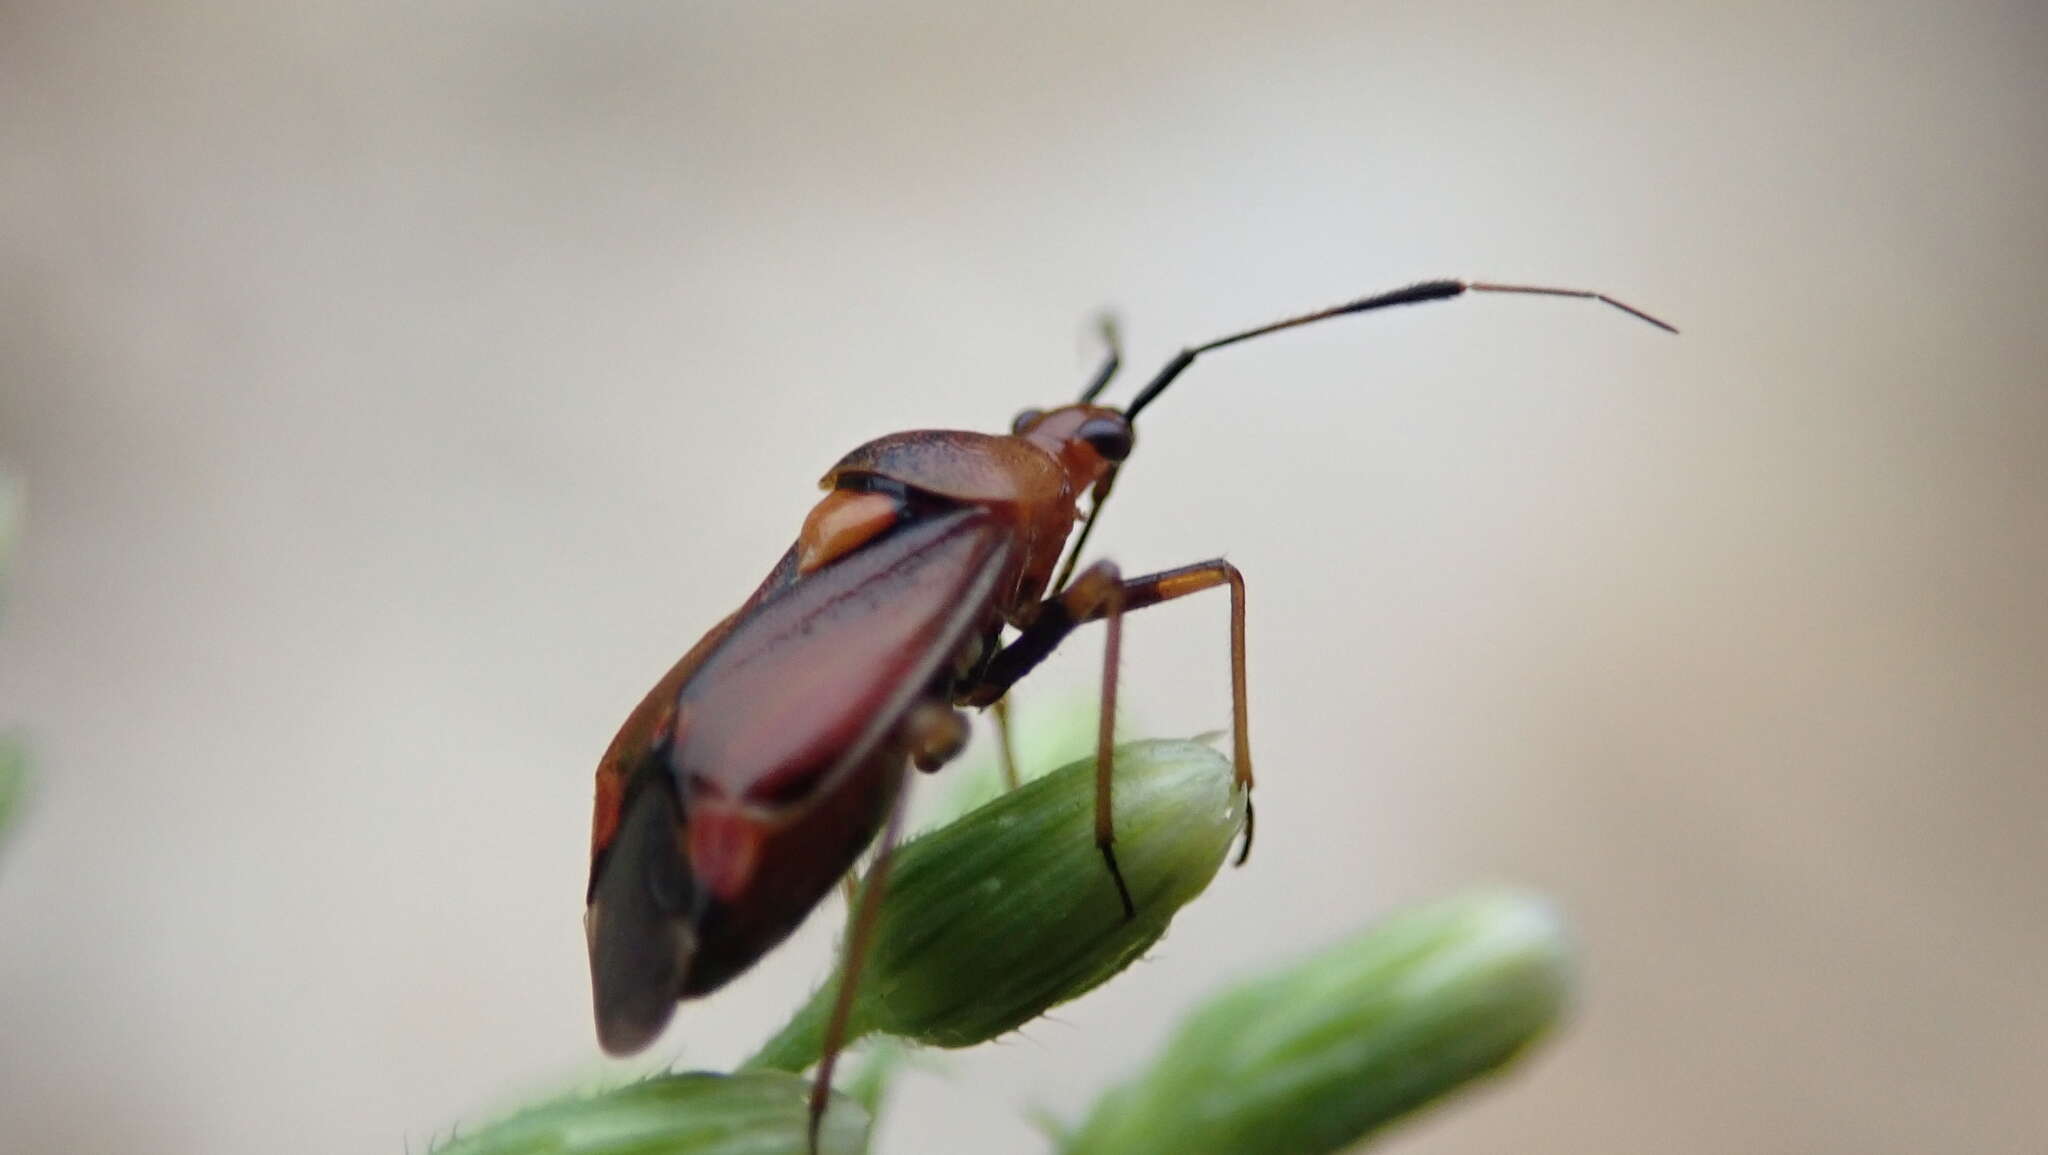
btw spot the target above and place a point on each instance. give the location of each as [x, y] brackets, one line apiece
[1100, 593]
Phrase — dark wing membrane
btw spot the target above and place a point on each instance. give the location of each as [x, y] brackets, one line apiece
[813, 678]
[641, 926]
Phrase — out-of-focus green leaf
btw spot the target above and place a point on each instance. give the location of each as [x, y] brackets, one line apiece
[10, 518]
[13, 781]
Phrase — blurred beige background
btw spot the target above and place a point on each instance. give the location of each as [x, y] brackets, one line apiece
[400, 388]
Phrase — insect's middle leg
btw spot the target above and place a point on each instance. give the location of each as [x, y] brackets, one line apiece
[1006, 750]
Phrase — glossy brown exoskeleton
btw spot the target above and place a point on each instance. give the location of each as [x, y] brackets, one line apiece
[745, 784]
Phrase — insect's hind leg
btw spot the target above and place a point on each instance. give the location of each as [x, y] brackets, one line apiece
[866, 910]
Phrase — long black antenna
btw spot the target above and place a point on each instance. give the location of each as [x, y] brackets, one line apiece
[1411, 295]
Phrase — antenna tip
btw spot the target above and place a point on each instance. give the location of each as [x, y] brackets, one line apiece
[1632, 311]
[1582, 294]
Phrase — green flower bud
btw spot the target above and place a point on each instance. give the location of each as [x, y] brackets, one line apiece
[1313, 1058]
[760, 1113]
[993, 919]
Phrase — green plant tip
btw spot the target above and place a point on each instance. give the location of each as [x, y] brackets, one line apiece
[760, 1113]
[1009, 911]
[1313, 1058]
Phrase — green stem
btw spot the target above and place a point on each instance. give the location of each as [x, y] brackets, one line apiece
[799, 1043]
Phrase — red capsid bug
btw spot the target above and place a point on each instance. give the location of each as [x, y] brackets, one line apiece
[755, 772]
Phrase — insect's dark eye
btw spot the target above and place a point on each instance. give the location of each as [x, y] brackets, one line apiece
[1026, 420]
[1110, 436]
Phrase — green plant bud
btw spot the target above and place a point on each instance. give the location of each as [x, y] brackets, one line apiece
[1311, 1059]
[994, 918]
[759, 1113]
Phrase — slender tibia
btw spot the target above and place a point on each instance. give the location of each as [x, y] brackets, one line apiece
[865, 912]
[1006, 750]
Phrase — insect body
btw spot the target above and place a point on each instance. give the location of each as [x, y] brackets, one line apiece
[750, 778]
[754, 773]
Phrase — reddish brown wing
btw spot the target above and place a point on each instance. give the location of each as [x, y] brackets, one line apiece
[809, 682]
[746, 784]
[651, 718]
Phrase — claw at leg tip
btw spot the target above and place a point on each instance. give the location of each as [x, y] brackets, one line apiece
[1244, 851]
[1116, 875]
